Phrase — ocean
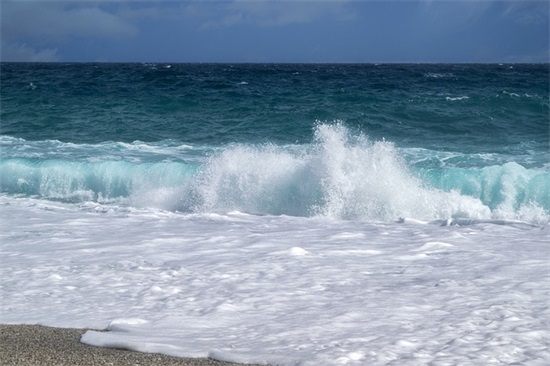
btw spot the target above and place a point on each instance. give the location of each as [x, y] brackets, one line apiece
[367, 214]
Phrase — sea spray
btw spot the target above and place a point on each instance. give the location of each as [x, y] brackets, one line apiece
[341, 174]
[255, 179]
[370, 180]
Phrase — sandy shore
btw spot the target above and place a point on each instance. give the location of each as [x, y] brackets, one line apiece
[46, 346]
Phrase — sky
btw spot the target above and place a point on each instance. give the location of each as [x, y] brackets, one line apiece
[278, 31]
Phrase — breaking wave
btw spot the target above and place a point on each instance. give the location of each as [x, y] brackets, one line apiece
[340, 175]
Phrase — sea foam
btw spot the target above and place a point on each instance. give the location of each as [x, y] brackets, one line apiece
[347, 176]
[341, 174]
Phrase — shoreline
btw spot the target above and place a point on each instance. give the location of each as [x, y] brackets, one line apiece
[37, 345]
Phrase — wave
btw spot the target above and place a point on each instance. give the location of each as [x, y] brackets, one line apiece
[106, 182]
[136, 151]
[452, 99]
[340, 175]
[505, 186]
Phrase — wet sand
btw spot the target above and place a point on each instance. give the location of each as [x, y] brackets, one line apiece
[46, 346]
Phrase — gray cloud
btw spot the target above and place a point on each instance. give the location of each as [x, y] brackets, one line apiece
[55, 20]
[34, 29]
[270, 30]
[269, 13]
[527, 12]
[24, 53]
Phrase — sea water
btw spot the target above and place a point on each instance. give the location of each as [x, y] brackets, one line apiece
[284, 214]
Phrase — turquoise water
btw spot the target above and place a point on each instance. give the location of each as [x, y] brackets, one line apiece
[347, 141]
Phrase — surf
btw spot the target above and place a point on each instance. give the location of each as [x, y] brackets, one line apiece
[342, 174]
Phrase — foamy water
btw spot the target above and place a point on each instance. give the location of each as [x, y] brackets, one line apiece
[279, 289]
[340, 175]
[282, 214]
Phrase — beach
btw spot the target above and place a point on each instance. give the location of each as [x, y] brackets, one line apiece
[27, 345]
[319, 214]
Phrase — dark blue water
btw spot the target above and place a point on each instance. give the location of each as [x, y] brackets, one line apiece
[281, 139]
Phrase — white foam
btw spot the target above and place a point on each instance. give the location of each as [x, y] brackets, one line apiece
[298, 251]
[341, 176]
[279, 289]
[452, 99]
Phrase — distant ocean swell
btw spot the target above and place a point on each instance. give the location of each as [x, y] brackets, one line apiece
[339, 175]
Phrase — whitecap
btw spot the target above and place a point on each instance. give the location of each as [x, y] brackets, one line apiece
[464, 97]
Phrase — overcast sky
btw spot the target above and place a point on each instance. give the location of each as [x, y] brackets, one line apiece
[275, 31]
